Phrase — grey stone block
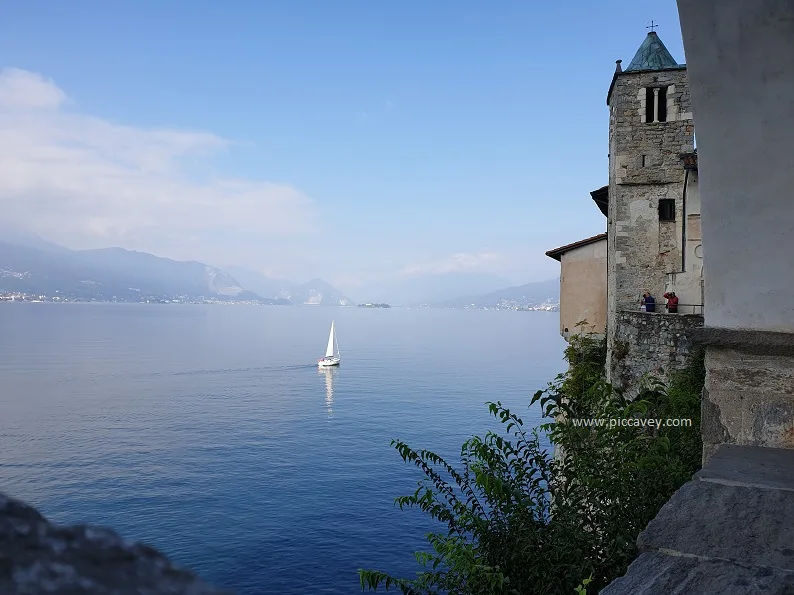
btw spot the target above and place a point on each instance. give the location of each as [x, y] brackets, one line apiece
[659, 574]
[754, 396]
[748, 341]
[751, 466]
[748, 525]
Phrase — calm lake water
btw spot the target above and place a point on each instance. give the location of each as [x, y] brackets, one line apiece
[209, 433]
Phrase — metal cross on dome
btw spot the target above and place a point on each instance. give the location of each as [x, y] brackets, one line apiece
[652, 26]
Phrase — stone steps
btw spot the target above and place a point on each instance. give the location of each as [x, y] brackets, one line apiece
[729, 531]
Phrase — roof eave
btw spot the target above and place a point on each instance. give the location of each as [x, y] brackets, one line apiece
[601, 198]
[557, 253]
[617, 74]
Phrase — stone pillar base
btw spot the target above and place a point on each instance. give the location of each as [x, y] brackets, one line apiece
[749, 393]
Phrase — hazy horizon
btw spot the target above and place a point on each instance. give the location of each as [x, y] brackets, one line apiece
[357, 143]
[435, 288]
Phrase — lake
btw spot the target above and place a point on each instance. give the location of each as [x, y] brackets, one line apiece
[209, 432]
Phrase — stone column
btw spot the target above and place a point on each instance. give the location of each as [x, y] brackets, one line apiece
[656, 104]
[740, 59]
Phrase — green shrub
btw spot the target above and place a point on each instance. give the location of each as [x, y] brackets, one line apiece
[522, 520]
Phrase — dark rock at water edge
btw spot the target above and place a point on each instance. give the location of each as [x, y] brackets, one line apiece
[38, 557]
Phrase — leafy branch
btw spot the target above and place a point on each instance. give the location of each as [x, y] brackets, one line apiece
[522, 517]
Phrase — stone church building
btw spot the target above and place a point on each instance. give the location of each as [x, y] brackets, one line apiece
[652, 241]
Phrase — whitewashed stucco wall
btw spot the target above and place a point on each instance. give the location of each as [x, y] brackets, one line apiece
[740, 56]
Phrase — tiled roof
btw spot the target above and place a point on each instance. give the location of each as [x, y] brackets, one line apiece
[652, 55]
[557, 253]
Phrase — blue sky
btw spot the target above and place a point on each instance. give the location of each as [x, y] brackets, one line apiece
[348, 139]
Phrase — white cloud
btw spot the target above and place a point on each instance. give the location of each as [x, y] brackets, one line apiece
[23, 89]
[86, 181]
[457, 263]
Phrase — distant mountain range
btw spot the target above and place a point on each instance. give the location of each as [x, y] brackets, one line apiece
[32, 266]
[315, 292]
[417, 290]
[110, 274]
[540, 295]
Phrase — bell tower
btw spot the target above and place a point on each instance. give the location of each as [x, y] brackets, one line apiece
[650, 128]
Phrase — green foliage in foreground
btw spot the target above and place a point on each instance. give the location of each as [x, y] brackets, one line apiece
[519, 520]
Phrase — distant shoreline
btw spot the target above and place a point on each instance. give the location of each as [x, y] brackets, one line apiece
[246, 303]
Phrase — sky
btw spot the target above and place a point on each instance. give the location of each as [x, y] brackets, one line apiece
[354, 140]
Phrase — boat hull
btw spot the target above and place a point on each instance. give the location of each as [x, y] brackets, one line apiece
[327, 363]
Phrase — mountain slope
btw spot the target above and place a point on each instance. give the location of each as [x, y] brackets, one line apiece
[259, 283]
[528, 295]
[32, 270]
[111, 273]
[169, 276]
[319, 293]
[432, 288]
[315, 292]
[27, 239]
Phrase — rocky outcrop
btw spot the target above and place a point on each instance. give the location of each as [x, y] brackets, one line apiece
[37, 557]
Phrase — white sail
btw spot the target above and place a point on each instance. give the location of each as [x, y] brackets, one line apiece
[329, 351]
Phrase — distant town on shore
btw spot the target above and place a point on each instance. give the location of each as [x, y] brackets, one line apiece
[5, 296]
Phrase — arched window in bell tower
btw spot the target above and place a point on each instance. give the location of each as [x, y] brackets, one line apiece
[655, 104]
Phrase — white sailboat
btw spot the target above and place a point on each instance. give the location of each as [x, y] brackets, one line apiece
[332, 355]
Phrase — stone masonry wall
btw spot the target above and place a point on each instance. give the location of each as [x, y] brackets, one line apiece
[661, 143]
[749, 400]
[645, 166]
[749, 394]
[644, 342]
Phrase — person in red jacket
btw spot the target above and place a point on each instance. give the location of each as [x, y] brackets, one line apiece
[672, 302]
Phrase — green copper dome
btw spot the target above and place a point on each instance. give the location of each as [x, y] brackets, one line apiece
[652, 55]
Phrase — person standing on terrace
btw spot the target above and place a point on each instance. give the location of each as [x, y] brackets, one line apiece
[649, 302]
[672, 302]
